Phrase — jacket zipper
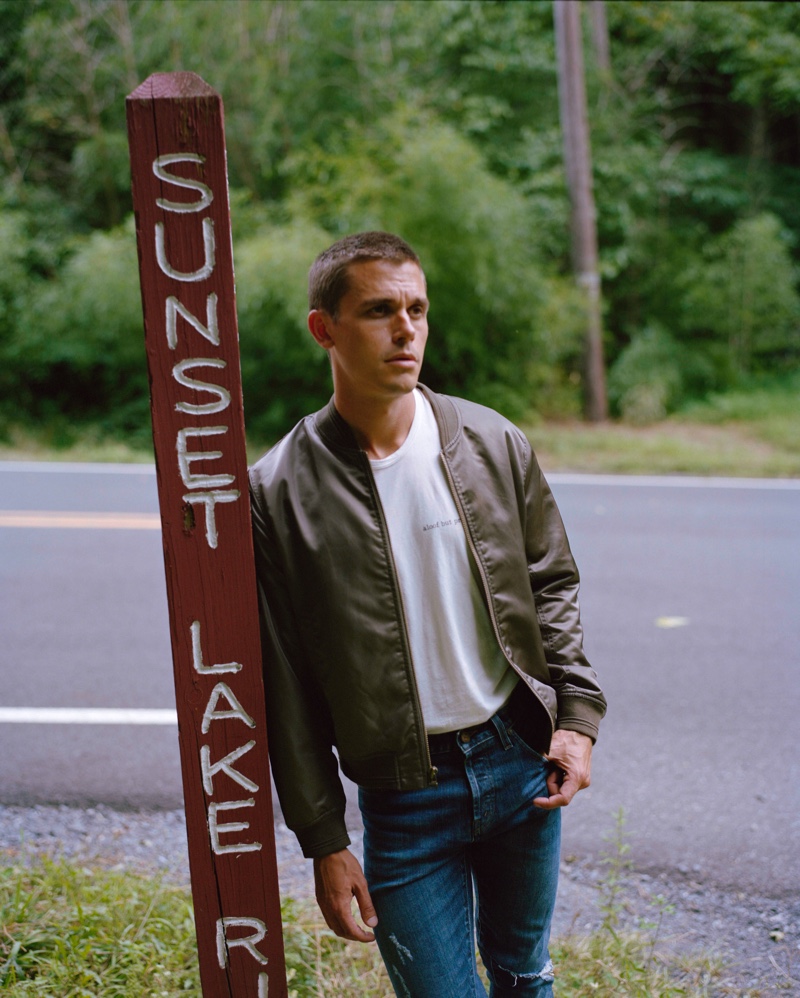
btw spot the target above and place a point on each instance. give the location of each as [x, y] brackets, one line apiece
[486, 591]
[425, 754]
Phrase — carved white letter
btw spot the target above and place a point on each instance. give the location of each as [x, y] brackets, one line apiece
[185, 458]
[249, 942]
[206, 408]
[210, 769]
[210, 330]
[192, 185]
[209, 249]
[210, 500]
[197, 657]
[215, 829]
[237, 710]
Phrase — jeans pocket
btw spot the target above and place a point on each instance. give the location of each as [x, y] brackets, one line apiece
[521, 743]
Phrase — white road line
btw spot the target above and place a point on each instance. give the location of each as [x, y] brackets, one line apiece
[673, 481]
[86, 715]
[84, 520]
[559, 478]
[66, 467]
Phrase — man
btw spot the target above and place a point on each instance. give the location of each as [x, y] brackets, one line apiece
[419, 616]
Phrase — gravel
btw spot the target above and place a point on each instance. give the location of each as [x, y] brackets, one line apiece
[755, 938]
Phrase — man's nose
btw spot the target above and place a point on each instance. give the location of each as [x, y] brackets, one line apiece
[403, 328]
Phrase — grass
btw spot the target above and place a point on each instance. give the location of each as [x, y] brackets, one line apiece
[754, 433]
[42, 444]
[72, 932]
[667, 448]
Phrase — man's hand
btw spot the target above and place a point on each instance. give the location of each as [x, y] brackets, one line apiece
[571, 753]
[338, 878]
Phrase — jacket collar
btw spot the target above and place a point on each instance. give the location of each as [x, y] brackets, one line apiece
[333, 429]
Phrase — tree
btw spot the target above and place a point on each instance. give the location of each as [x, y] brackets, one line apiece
[437, 118]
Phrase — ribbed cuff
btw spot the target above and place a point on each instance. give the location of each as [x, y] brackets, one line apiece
[579, 714]
[325, 836]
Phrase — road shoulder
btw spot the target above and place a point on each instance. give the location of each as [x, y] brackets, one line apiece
[755, 938]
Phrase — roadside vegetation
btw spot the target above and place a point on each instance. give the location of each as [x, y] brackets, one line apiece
[753, 433]
[438, 120]
[77, 932]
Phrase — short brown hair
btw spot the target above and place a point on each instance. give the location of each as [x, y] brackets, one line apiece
[327, 279]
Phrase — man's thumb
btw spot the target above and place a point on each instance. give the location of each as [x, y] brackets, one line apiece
[367, 909]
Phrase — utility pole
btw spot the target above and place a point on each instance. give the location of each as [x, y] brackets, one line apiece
[602, 52]
[577, 159]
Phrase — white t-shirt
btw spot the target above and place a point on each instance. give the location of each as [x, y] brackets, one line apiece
[462, 675]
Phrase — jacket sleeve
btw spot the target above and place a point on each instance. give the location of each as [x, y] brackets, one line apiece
[554, 582]
[304, 766]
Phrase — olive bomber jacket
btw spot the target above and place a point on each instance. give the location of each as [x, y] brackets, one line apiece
[337, 665]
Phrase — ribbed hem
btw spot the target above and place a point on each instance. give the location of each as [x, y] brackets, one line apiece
[325, 836]
[579, 714]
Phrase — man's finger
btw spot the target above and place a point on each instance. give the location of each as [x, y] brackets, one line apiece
[337, 878]
[348, 928]
[365, 906]
[338, 916]
[561, 787]
[571, 756]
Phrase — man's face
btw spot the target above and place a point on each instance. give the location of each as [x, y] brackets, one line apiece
[377, 340]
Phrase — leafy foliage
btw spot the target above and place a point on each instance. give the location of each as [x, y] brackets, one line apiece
[474, 234]
[436, 119]
[647, 380]
[78, 349]
[284, 374]
[744, 295]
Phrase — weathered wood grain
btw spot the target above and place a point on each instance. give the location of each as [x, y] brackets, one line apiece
[176, 131]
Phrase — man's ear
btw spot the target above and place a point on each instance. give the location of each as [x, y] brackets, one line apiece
[319, 325]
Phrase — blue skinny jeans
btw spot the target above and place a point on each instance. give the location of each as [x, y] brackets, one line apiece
[469, 860]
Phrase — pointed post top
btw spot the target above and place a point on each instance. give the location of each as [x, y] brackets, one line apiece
[168, 86]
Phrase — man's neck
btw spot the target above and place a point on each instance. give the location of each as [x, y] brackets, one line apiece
[380, 426]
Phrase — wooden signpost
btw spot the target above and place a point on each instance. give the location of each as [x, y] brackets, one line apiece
[180, 197]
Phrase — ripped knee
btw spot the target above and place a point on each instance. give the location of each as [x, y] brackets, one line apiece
[508, 979]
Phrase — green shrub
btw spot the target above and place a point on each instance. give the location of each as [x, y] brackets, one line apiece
[476, 238]
[78, 351]
[285, 374]
[743, 294]
[647, 382]
[13, 285]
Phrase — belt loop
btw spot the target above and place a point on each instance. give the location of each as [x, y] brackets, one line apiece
[500, 727]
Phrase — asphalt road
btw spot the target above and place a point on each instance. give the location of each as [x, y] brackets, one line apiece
[690, 604]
